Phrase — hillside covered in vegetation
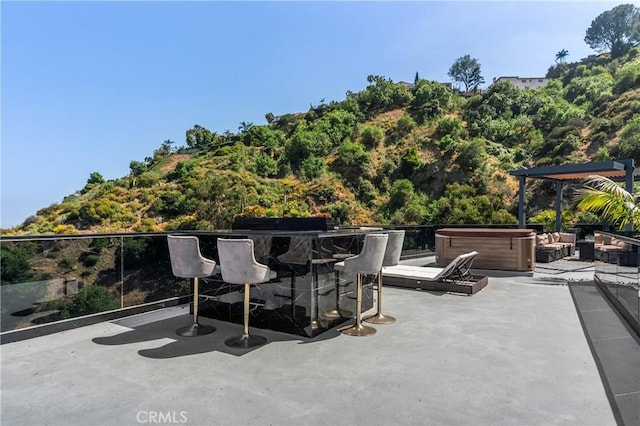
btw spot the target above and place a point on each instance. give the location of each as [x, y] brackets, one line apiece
[417, 153]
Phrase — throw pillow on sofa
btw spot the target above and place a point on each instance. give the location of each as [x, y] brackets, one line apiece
[567, 238]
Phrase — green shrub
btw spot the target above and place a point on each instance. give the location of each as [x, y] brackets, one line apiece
[462, 204]
[472, 155]
[447, 143]
[371, 136]
[589, 90]
[629, 146]
[98, 211]
[52, 255]
[410, 162]
[14, 262]
[325, 194]
[169, 204]
[339, 212]
[67, 264]
[295, 209]
[354, 158]
[183, 170]
[405, 124]
[548, 219]
[431, 100]
[304, 144]
[146, 225]
[402, 192]
[90, 259]
[92, 299]
[147, 180]
[414, 213]
[135, 251]
[99, 243]
[338, 125]
[450, 126]
[265, 166]
[366, 192]
[312, 168]
[599, 139]
[627, 78]
[603, 154]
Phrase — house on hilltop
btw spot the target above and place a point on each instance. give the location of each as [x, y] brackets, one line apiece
[526, 83]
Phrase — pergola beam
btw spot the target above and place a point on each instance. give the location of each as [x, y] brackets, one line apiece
[614, 170]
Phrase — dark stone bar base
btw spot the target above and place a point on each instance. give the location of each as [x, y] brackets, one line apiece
[305, 310]
[308, 296]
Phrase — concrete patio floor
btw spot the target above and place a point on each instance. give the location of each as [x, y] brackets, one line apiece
[514, 354]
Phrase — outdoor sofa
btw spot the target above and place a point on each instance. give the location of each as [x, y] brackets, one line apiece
[554, 246]
[612, 250]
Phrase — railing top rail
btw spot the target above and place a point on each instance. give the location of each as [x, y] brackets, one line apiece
[431, 228]
[13, 238]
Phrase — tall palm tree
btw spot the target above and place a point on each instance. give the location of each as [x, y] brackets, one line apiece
[561, 55]
[609, 200]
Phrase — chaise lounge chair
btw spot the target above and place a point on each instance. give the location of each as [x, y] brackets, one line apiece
[455, 277]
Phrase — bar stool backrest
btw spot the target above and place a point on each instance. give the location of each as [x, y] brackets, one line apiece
[369, 261]
[186, 259]
[394, 248]
[238, 263]
[299, 251]
[262, 247]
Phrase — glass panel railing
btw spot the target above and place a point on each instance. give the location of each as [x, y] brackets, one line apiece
[418, 239]
[49, 279]
[145, 267]
[617, 272]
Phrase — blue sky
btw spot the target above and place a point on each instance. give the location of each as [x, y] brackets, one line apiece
[90, 86]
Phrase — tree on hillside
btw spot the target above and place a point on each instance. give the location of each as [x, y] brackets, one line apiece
[199, 137]
[137, 167]
[245, 126]
[466, 70]
[381, 95]
[95, 177]
[269, 117]
[166, 148]
[615, 29]
[562, 55]
[431, 100]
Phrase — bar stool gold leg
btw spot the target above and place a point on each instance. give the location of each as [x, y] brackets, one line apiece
[337, 312]
[246, 341]
[358, 329]
[379, 317]
[195, 329]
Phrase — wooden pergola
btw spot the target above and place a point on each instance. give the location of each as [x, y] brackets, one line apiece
[619, 170]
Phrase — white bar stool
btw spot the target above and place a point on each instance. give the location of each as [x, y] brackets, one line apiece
[391, 258]
[239, 266]
[369, 261]
[188, 262]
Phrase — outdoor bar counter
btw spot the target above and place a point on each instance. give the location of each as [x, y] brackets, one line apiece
[506, 249]
[307, 298]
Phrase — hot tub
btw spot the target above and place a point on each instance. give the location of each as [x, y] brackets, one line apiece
[505, 249]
